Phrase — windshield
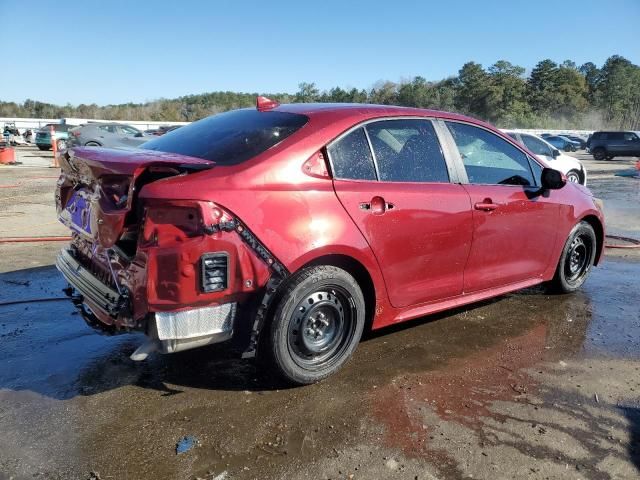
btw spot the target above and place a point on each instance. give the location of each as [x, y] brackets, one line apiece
[229, 138]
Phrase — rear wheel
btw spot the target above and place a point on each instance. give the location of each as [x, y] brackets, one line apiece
[316, 326]
[43, 147]
[599, 153]
[576, 260]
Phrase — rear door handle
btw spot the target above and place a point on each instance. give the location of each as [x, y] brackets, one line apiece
[486, 206]
[377, 205]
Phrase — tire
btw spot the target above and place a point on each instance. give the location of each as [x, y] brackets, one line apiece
[92, 144]
[43, 147]
[599, 153]
[567, 148]
[61, 144]
[576, 260]
[316, 325]
[574, 176]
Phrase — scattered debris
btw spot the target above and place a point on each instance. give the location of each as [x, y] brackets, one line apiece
[185, 444]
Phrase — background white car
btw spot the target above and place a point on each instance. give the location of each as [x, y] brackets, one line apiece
[570, 166]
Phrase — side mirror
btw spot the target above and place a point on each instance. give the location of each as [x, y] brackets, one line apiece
[552, 179]
[555, 153]
[139, 134]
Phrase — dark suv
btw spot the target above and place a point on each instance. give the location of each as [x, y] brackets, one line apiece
[606, 145]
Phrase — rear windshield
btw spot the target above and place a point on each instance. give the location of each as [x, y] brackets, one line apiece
[229, 138]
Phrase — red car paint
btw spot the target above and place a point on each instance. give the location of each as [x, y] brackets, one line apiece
[425, 247]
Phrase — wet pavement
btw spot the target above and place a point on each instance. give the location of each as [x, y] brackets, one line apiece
[71, 401]
[524, 386]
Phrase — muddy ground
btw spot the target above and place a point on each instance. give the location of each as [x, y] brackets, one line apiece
[524, 386]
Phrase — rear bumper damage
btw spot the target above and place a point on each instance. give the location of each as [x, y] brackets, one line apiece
[168, 332]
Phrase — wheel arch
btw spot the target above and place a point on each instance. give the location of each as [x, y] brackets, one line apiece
[359, 272]
[598, 228]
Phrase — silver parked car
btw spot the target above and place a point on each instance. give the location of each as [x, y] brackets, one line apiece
[113, 135]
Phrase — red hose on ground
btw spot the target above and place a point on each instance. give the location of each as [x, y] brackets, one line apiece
[33, 239]
[632, 241]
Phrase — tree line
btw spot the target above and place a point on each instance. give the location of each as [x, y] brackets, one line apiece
[553, 95]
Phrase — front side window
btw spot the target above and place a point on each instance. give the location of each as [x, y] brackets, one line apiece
[489, 159]
[536, 146]
[630, 137]
[351, 157]
[407, 150]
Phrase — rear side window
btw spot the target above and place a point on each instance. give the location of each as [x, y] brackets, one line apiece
[616, 136]
[229, 138]
[351, 157]
[489, 159]
[407, 151]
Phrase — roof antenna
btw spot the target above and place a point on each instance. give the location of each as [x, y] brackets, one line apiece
[263, 104]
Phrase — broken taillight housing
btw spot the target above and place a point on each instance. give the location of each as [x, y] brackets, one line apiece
[214, 271]
[169, 224]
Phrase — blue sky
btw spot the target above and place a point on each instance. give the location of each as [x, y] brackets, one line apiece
[119, 51]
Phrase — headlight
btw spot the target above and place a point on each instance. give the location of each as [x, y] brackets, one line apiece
[599, 204]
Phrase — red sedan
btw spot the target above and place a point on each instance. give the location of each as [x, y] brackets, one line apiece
[291, 228]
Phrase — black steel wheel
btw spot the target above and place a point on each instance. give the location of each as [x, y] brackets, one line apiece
[576, 260]
[316, 325]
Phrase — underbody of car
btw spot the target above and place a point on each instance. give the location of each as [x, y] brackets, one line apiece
[282, 242]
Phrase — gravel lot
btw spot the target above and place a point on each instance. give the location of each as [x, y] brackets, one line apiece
[523, 386]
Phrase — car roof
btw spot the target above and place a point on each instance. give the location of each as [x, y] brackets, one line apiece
[363, 111]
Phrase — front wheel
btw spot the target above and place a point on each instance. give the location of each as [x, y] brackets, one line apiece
[573, 176]
[316, 326]
[576, 260]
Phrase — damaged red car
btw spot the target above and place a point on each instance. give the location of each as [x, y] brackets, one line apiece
[292, 228]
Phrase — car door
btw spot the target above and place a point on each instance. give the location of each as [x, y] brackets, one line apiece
[615, 143]
[631, 144]
[514, 224]
[392, 178]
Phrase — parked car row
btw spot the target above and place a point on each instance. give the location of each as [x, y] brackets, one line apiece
[544, 150]
[158, 132]
[566, 143]
[96, 134]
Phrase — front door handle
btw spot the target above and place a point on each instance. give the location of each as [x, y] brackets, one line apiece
[377, 205]
[486, 205]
